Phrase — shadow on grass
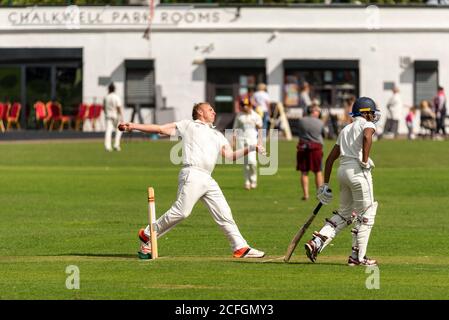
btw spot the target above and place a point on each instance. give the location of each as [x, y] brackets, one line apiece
[297, 263]
[101, 255]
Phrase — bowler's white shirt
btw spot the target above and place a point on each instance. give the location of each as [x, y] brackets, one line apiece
[350, 138]
[201, 144]
[247, 122]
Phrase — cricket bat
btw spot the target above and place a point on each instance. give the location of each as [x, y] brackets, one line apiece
[300, 233]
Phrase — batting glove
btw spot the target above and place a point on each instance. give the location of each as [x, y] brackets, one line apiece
[367, 165]
[324, 194]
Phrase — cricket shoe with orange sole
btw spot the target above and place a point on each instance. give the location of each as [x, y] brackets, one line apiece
[311, 250]
[248, 252]
[365, 262]
[314, 246]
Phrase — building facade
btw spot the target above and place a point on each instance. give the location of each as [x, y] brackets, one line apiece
[196, 53]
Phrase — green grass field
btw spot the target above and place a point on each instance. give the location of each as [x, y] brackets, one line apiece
[68, 204]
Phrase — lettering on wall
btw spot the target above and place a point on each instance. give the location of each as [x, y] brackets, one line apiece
[107, 17]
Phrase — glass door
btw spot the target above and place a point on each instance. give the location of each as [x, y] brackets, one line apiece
[69, 85]
[10, 84]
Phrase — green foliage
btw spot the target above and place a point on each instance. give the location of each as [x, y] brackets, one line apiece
[61, 2]
[224, 2]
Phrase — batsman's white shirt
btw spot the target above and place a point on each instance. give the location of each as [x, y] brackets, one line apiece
[201, 149]
[350, 138]
[356, 186]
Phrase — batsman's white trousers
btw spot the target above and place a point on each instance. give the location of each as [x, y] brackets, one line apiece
[111, 126]
[195, 184]
[356, 188]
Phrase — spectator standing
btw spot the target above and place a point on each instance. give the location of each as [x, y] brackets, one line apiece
[409, 119]
[309, 150]
[304, 97]
[394, 107]
[428, 118]
[347, 119]
[439, 104]
[262, 100]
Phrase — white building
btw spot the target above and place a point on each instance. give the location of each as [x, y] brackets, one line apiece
[215, 53]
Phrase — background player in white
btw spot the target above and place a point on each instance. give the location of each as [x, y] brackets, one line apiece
[114, 115]
[356, 188]
[246, 124]
[201, 147]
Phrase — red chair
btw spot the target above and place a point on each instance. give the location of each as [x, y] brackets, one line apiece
[81, 115]
[41, 113]
[13, 116]
[55, 110]
[4, 107]
[94, 114]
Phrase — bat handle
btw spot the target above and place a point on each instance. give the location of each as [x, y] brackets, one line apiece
[317, 208]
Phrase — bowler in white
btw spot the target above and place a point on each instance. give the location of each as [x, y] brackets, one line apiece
[202, 145]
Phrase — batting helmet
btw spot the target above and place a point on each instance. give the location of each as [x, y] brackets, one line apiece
[363, 104]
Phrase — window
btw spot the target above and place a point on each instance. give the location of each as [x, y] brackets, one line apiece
[230, 79]
[330, 81]
[28, 75]
[426, 80]
[69, 85]
[140, 84]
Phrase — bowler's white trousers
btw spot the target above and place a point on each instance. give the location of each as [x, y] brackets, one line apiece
[195, 184]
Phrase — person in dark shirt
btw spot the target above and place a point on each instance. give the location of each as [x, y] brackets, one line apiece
[309, 150]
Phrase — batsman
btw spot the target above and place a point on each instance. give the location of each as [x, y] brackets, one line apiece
[357, 203]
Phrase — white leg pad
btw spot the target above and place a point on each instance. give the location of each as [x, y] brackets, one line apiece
[332, 227]
[364, 224]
